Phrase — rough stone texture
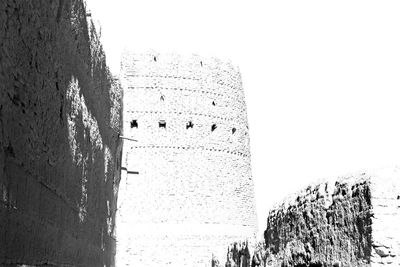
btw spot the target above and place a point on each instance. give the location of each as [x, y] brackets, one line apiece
[352, 222]
[59, 137]
[193, 193]
[238, 255]
[259, 257]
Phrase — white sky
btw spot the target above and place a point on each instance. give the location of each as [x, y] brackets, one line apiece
[321, 78]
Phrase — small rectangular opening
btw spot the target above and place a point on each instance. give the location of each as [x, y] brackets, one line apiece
[162, 124]
[134, 124]
[189, 125]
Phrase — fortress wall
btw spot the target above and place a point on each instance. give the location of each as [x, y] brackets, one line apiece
[351, 222]
[60, 119]
[194, 191]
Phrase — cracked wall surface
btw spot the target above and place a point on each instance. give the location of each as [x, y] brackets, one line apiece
[187, 188]
[351, 222]
[60, 120]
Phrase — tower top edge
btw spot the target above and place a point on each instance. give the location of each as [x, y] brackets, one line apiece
[178, 58]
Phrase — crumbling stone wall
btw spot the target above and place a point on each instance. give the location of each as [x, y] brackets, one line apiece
[242, 254]
[238, 255]
[351, 222]
[60, 122]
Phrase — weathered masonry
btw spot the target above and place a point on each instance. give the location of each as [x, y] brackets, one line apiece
[60, 117]
[354, 221]
[186, 189]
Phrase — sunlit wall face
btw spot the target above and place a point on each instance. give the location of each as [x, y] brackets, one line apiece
[187, 192]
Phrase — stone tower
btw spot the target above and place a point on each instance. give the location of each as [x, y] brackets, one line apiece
[186, 189]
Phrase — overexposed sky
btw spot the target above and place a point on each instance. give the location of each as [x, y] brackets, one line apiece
[321, 78]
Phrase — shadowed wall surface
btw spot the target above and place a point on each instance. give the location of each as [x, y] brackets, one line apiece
[187, 188]
[59, 137]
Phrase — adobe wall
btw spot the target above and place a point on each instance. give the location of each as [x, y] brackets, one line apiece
[60, 119]
[351, 222]
[188, 186]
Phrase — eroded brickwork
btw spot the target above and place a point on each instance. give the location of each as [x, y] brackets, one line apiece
[188, 189]
[350, 222]
[60, 115]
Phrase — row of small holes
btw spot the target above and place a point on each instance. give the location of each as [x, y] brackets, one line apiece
[192, 147]
[219, 82]
[163, 124]
[155, 60]
[162, 98]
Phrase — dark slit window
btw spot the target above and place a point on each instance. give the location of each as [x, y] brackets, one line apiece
[213, 127]
[189, 125]
[162, 124]
[134, 124]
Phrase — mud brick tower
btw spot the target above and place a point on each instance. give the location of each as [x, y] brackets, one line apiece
[186, 188]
